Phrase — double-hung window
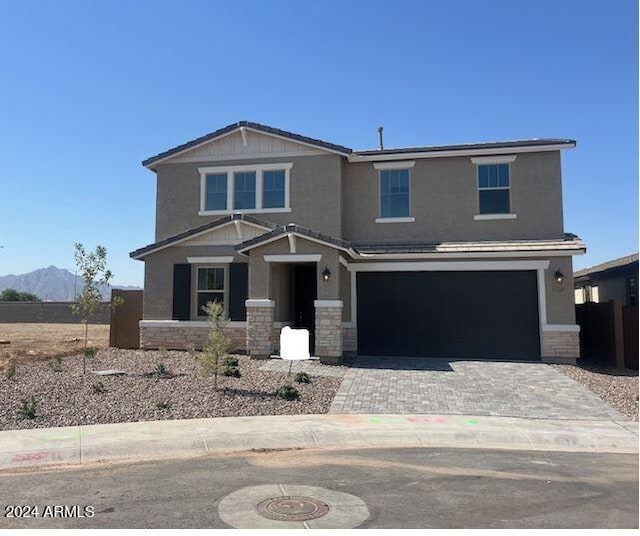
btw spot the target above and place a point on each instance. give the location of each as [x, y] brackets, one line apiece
[250, 188]
[394, 193]
[245, 190]
[493, 188]
[210, 287]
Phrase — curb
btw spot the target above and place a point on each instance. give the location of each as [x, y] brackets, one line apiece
[150, 440]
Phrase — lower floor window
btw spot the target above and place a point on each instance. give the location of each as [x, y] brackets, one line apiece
[210, 287]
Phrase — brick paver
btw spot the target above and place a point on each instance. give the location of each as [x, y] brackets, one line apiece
[442, 386]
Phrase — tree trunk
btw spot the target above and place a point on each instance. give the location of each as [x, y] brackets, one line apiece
[86, 341]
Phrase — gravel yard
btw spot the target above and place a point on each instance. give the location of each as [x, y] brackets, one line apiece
[618, 388]
[66, 398]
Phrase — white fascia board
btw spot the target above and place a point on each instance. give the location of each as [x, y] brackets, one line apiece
[468, 152]
[293, 257]
[210, 260]
[447, 266]
[403, 164]
[506, 159]
[472, 255]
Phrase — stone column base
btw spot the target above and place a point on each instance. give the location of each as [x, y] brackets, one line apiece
[328, 328]
[260, 328]
[561, 344]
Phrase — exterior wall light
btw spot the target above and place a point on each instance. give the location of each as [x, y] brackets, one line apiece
[326, 274]
[559, 276]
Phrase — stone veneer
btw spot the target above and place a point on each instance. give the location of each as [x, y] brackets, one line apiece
[260, 329]
[560, 345]
[349, 341]
[183, 335]
[328, 329]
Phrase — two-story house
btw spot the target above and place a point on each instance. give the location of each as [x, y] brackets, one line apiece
[439, 251]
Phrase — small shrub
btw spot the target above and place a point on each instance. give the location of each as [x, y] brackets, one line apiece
[231, 362]
[28, 408]
[161, 371]
[163, 404]
[288, 392]
[233, 372]
[99, 388]
[56, 366]
[302, 377]
[10, 373]
[90, 352]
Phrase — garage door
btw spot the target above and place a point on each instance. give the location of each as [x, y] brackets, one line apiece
[449, 314]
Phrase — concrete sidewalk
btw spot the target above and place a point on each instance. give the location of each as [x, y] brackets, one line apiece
[193, 437]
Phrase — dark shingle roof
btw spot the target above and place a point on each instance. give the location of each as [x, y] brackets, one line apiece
[197, 230]
[536, 142]
[609, 265]
[255, 126]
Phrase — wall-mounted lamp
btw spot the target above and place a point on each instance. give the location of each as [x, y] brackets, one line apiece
[559, 276]
[326, 274]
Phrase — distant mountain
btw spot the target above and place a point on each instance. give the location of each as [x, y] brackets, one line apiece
[51, 284]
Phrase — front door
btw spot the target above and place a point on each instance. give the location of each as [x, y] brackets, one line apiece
[304, 294]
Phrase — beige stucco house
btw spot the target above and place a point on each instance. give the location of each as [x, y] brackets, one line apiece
[438, 251]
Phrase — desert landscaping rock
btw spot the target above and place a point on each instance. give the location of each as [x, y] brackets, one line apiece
[68, 398]
[619, 388]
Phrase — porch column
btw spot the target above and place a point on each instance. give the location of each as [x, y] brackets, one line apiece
[259, 327]
[329, 330]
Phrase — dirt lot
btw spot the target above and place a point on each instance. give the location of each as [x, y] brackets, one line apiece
[65, 397]
[42, 341]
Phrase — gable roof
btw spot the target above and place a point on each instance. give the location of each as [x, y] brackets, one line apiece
[250, 126]
[175, 239]
[292, 228]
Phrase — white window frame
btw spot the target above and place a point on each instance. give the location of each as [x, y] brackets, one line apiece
[394, 166]
[230, 173]
[488, 161]
[225, 290]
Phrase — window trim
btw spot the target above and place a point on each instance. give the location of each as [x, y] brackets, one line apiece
[493, 161]
[225, 291]
[230, 172]
[394, 166]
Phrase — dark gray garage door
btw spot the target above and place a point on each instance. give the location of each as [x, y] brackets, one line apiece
[449, 314]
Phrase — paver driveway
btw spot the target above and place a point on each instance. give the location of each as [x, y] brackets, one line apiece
[443, 386]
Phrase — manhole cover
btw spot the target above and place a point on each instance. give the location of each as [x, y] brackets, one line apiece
[292, 508]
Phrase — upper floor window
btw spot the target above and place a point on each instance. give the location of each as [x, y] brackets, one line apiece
[493, 187]
[250, 188]
[395, 192]
[216, 192]
[273, 189]
[245, 190]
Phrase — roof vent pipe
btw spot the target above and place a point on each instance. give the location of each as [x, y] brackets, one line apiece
[380, 144]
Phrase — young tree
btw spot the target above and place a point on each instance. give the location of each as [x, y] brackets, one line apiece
[93, 270]
[217, 345]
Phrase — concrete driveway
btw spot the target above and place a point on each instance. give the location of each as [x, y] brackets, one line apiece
[465, 387]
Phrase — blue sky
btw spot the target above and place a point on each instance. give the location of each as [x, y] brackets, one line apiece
[88, 89]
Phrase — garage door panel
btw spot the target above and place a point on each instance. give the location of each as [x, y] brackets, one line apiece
[448, 314]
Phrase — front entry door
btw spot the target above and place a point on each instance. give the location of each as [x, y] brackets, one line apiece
[304, 294]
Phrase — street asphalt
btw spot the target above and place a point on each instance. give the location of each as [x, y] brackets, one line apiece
[393, 488]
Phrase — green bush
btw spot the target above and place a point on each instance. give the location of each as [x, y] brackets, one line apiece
[28, 408]
[231, 362]
[288, 392]
[302, 377]
[90, 352]
[233, 372]
[161, 371]
[10, 294]
[10, 373]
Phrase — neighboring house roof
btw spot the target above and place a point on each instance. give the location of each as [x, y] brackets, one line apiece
[292, 228]
[535, 142]
[435, 150]
[190, 233]
[609, 265]
[252, 126]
